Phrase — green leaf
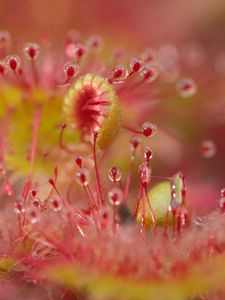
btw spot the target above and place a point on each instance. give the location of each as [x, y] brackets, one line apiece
[159, 197]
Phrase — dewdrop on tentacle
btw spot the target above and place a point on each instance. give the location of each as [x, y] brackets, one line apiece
[91, 105]
[186, 87]
[148, 154]
[208, 149]
[31, 50]
[115, 197]
[83, 176]
[70, 69]
[33, 215]
[13, 61]
[55, 204]
[149, 129]
[118, 74]
[114, 174]
[149, 74]
[5, 39]
[95, 43]
[136, 65]
[145, 174]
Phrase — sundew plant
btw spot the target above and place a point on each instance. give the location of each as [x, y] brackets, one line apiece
[83, 215]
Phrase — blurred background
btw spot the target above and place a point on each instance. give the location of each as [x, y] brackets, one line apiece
[137, 24]
[132, 22]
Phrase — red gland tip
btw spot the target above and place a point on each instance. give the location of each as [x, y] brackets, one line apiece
[79, 50]
[70, 69]
[149, 74]
[55, 204]
[95, 42]
[119, 73]
[136, 65]
[149, 129]
[115, 197]
[13, 61]
[34, 193]
[79, 161]
[135, 142]
[4, 39]
[51, 181]
[186, 87]
[63, 126]
[31, 50]
[18, 208]
[83, 176]
[145, 174]
[148, 154]
[114, 174]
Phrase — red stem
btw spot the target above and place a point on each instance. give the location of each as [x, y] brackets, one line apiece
[150, 209]
[97, 172]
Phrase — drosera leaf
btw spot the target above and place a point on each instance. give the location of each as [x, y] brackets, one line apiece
[92, 105]
[160, 197]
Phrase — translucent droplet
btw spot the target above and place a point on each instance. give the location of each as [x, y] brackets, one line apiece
[4, 39]
[149, 129]
[95, 42]
[136, 64]
[149, 74]
[104, 217]
[70, 69]
[148, 154]
[36, 202]
[79, 161]
[115, 196]
[33, 215]
[13, 61]
[18, 208]
[79, 50]
[178, 189]
[83, 176]
[33, 193]
[55, 204]
[186, 87]
[31, 50]
[135, 142]
[145, 174]
[208, 149]
[114, 174]
[118, 74]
